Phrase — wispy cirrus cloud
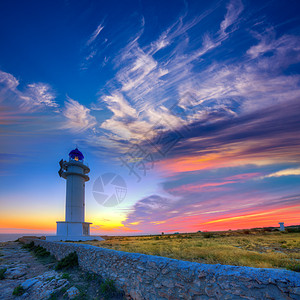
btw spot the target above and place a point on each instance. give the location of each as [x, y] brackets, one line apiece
[234, 9]
[95, 34]
[220, 89]
[8, 82]
[91, 48]
[35, 96]
[123, 113]
[147, 82]
[283, 50]
[78, 117]
[38, 95]
[27, 106]
[286, 172]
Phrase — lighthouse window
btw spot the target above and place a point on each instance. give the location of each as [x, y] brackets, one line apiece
[76, 158]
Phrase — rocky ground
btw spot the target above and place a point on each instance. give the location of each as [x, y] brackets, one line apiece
[24, 276]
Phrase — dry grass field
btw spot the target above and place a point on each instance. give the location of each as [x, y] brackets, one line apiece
[253, 248]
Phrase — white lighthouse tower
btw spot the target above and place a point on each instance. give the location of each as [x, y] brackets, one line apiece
[74, 228]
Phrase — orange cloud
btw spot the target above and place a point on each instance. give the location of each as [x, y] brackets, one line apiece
[192, 222]
[289, 215]
[230, 155]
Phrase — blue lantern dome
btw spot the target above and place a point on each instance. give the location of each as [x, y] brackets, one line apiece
[76, 155]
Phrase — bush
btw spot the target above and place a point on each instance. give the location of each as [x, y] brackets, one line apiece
[295, 268]
[37, 250]
[40, 251]
[29, 246]
[292, 230]
[91, 276]
[58, 294]
[208, 235]
[68, 262]
[18, 291]
[65, 276]
[108, 287]
[2, 271]
[50, 278]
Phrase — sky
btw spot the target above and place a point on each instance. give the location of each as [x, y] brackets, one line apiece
[195, 105]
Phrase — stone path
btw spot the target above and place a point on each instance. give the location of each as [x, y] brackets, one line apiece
[39, 280]
[23, 269]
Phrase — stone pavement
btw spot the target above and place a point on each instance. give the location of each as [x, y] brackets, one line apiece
[24, 270]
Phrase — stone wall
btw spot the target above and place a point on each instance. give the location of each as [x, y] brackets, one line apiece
[152, 277]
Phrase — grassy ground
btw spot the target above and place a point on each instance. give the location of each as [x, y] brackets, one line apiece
[241, 248]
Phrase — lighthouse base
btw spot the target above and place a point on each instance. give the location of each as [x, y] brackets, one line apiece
[68, 238]
[73, 231]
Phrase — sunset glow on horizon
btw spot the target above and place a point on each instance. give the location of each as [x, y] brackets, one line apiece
[194, 104]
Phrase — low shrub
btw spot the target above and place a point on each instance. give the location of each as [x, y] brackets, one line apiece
[207, 235]
[295, 268]
[91, 276]
[68, 262]
[65, 276]
[108, 287]
[292, 230]
[50, 278]
[2, 271]
[58, 294]
[29, 246]
[40, 251]
[18, 291]
[37, 250]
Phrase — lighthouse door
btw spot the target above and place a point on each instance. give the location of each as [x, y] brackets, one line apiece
[85, 229]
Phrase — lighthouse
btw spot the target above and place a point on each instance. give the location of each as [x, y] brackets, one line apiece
[74, 228]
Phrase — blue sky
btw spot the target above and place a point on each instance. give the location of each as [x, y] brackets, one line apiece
[202, 98]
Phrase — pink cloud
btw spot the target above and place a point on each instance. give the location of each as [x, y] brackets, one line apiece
[243, 176]
[200, 187]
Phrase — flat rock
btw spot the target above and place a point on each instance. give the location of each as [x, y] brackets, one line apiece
[73, 292]
[15, 272]
[28, 283]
